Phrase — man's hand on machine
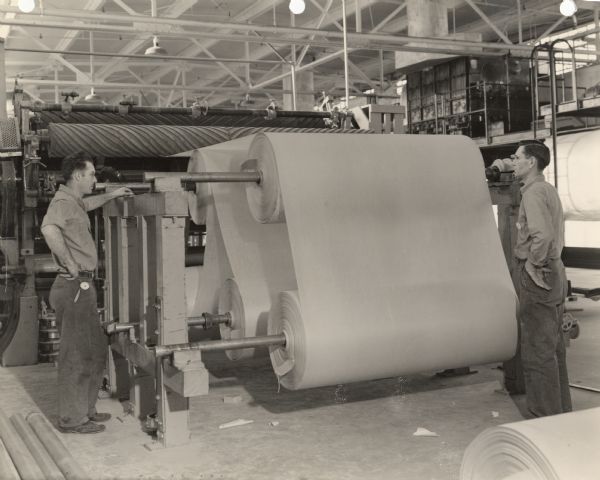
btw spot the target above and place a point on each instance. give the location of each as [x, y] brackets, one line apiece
[537, 274]
[122, 192]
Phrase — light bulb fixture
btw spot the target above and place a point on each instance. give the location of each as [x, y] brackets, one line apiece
[155, 49]
[26, 6]
[92, 97]
[568, 7]
[297, 6]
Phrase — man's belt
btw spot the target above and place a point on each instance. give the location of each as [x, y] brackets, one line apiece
[84, 274]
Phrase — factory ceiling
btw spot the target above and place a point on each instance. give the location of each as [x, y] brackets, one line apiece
[241, 52]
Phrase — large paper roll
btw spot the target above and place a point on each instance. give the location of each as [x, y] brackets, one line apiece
[560, 447]
[578, 174]
[202, 283]
[264, 199]
[259, 256]
[396, 255]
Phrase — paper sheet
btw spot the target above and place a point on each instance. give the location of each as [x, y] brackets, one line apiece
[389, 262]
[259, 257]
[397, 258]
[202, 283]
[578, 174]
[550, 448]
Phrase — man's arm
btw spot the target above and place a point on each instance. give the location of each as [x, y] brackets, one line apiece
[539, 223]
[96, 201]
[55, 240]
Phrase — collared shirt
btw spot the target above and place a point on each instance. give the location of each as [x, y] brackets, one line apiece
[540, 224]
[67, 212]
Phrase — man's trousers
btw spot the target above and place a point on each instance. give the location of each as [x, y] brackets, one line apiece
[543, 352]
[83, 350]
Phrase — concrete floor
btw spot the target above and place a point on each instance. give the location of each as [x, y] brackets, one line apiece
[360, 431]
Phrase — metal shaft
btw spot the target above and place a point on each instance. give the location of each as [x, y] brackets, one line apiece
[134, 186]
[116, 327]
[208, 320]
[220, 345]
[57, 107]
[208, 177]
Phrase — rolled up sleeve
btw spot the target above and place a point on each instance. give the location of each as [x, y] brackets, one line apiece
[57, 214]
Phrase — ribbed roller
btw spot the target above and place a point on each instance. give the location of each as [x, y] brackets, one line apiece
[151, 140]
[131, 140]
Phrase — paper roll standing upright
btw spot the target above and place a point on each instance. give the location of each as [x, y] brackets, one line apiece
[202, 283]
[258, 255]
[397, 258]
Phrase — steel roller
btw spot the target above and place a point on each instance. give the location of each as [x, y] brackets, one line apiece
[118, 141]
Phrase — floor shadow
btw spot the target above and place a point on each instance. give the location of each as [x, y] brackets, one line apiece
[257, 378]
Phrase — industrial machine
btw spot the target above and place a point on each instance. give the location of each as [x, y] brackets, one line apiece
[148, 237]
[129, 143]
[126, 140]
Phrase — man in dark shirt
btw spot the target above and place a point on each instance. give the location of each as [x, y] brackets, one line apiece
[83, 349]
[541, 283]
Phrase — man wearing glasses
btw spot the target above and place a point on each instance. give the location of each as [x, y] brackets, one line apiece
[540, 281]
[83, 349]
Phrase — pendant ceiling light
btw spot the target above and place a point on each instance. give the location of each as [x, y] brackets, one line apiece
[297, 6]
[568, 7]
[155, 49]
[92, 97]
[26, 6]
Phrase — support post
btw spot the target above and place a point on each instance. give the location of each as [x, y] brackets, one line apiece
[3, 113]
[165, 241]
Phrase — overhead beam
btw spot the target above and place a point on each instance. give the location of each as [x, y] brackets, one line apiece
[361, 40]
[153, 58]
[491, 24]
[117, 86]
[125, 7]
[362, 74]
[256, 9]
[550, 29]
[221, 64]
[5, 29]
[54, 56]
[171, 13]
[70, 35]
[324, 12]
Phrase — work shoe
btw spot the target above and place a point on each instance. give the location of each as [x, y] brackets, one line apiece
[100, 417]
[87, 427]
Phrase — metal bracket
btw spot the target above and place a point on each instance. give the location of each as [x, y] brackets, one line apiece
[123, 108]
[199, 109]
[66, 106]
[271, 111]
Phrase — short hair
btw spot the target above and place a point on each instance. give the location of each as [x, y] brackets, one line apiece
[75, 161]
[536, 149]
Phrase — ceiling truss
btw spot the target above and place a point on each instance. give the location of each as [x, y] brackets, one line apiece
[251, 51]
